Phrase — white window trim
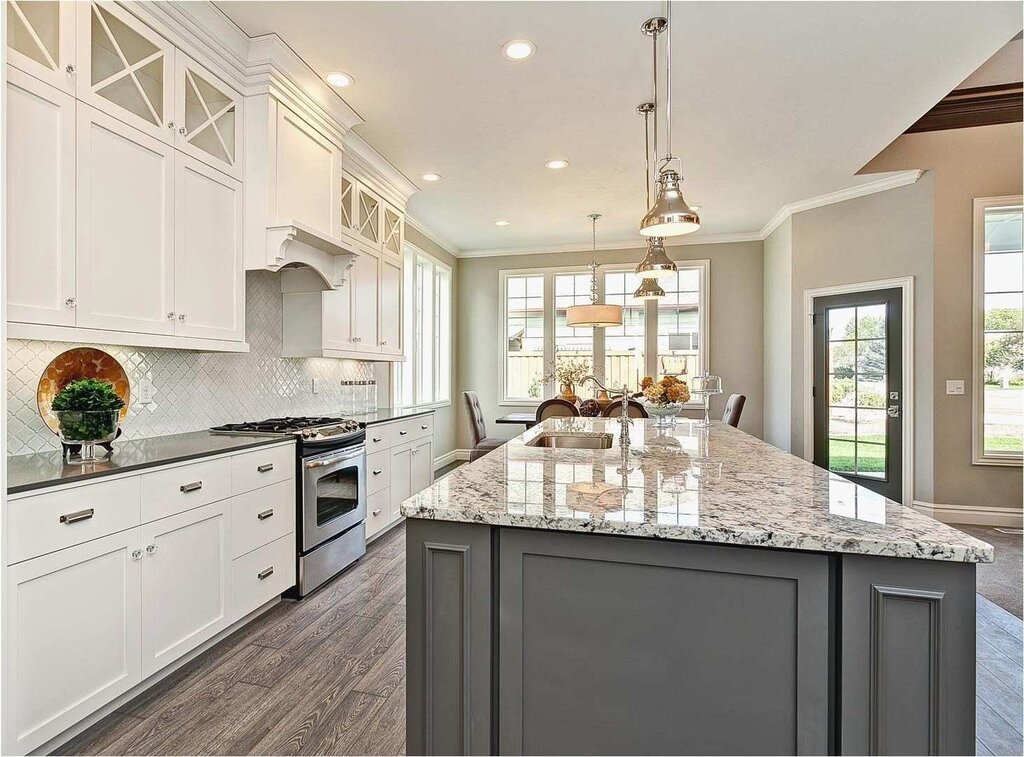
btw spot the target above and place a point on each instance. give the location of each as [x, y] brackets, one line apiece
[702, 265]
[413, 348]
[979, 457]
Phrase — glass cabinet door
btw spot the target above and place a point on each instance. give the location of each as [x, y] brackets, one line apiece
[208, 117]
[126, 69]
[369, 217]
[393, 228]
[41, 40]
[348, 193]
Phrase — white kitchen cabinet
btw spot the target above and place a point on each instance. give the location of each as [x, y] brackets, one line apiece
[401, 478]
[209, 272]
[185, 583]
[422, 465]
[338, 332]
[390, 319]
[364, 294]
[40, 150]
[125, 271]
[368, 216]
[208, 119]
[41, 40]
[72, 636]
[126, 69]
[392, 230]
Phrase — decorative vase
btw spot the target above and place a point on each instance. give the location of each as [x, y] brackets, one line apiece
[568, 392]
[87, 428]
[664, 414]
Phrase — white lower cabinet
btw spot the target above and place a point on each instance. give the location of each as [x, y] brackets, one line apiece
[88, 614]
[72, 641]
[422, 465]
[185, 583]
[400, 464]
[401, 478]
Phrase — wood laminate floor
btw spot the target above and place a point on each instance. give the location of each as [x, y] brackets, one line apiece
[327, 676]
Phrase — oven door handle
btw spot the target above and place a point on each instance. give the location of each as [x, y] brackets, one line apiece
[324, 462]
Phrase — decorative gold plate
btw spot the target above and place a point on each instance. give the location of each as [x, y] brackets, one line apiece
[79, 363]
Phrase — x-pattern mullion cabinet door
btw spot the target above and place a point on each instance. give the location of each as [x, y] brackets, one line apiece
[368, 213]
[208, 117]
[125, 69]
[393, 229]
[40, 234]
[41, 40]
[125, 222]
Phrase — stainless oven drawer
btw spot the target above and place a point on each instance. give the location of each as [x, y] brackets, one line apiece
[327, 560]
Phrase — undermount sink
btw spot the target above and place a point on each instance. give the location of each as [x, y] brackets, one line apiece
[573, 441]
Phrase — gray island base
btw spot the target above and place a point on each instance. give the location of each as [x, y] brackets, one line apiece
[683, 593]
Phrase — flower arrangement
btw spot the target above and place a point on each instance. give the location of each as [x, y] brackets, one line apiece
[570, 371]
[669, 390]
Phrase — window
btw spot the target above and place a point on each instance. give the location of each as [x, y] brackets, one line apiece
[654, 339]
[998, 340]
[425, 376]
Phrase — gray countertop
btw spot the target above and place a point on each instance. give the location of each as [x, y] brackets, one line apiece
[685, 484]
[385, 414]
[41, 469]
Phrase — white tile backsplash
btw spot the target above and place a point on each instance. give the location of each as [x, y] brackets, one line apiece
[192, 390]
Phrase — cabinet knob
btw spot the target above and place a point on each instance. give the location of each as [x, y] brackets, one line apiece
[136, 554]
[170, 125]
[70, 69]
[183, 131]
[71, 302]
[415, 451]
[383, 344]
[181, 316]
[170, 316]
[151, 549]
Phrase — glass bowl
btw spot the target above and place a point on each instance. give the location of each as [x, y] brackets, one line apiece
[87, 428]
[664, 415]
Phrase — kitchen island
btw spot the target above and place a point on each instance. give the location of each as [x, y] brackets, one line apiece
[679, 591]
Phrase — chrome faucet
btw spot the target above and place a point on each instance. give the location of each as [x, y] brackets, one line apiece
[624, 419]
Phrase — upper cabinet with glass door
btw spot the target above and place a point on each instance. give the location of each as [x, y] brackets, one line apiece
[41, 40]
[208, 117]
[369, 219]
[126, 69]
[393, 230]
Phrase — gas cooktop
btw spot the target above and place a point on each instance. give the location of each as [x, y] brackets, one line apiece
[305, 427]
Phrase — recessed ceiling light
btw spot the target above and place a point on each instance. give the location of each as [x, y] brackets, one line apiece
[556, 164]
[502, 223]
[518, 49]
[431, 177]
[339, 79]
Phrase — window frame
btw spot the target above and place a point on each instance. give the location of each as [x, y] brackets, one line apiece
[411, 256]
[979, 456]
[702, 266]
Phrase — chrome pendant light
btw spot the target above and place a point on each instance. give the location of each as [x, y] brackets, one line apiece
[649, 289]
[669, 216]
[596, 314]
[656, 262]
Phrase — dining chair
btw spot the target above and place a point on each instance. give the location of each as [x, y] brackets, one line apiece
[482, 444]
[633, 410]
[733, 409]
[556, 408]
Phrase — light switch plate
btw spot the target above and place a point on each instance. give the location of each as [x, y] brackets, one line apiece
[145, 392]
[955, 386]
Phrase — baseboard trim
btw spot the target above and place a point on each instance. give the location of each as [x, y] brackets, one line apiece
[451, 457]
[972, 515]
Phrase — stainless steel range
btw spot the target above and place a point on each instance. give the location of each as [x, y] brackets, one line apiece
[330, 492]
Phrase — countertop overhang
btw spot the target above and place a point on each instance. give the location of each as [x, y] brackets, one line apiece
[721, 486]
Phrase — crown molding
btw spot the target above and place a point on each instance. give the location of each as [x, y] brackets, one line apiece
[433, 236]
[382, 175]
[636, 243]
[898, 179]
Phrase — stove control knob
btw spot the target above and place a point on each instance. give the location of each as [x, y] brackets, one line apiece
[314, 433]
[305, 434]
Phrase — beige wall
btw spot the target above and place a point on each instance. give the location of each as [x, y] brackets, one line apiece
[778, 342]
[735, 318]
[880, 236]
[445, 422]
[963, 164]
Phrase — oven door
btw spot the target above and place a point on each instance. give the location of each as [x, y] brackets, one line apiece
[333, 494]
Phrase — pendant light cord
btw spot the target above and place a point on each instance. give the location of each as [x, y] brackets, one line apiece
[593, 260]
[647, 156]
[668, 83]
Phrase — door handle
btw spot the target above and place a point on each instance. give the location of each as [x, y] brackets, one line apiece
[265, 514]
[893, 411]
[265, 468]
[74, 517]
[265, 573]
[317, 464]
[193, 487]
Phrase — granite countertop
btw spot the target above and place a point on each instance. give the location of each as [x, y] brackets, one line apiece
[41, 469]
[385, 414]
[723, 487]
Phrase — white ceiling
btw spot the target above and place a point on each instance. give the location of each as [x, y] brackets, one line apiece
[774, 102]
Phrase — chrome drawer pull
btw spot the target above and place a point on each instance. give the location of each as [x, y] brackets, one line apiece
[377, 472]
[265, 514]
[193, 487]
[376, 512]
[265, 468]
[424, 427]
[265, 573]
[376, 439]
[77, 516]
[402, 433]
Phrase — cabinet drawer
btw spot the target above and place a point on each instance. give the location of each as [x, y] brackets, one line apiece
[48, 522]
[262, 516]
[379, 436]
[378, 511]
[261, 575]
[378, 471]
[413, 428]
[174, 490]
[262, 467]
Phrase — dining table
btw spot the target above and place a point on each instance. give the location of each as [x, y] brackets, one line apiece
[526, 419]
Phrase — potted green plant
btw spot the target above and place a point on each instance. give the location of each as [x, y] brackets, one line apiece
[88, 411]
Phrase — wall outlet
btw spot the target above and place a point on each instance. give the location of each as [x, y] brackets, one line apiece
[146, 392]
[955, 386]
[316, 386]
